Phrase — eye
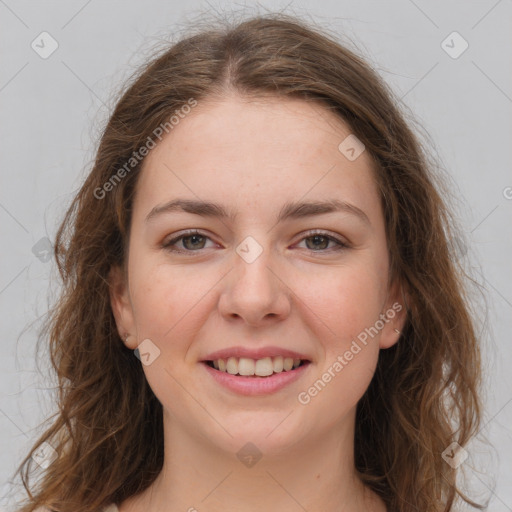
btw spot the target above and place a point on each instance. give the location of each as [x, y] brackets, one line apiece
[319, 241]
[191, 241]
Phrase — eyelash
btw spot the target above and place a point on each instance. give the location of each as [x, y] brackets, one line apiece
[341, 245]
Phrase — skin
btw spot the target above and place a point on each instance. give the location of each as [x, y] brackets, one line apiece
[253, 156]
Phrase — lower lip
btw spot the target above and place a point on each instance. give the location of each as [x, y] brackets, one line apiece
[256, 385]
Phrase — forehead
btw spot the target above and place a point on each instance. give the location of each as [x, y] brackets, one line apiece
[256, 151]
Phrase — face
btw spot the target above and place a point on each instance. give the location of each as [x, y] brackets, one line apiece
[254, 238]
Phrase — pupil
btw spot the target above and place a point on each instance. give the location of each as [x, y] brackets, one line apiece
[317, 238]
[193, 239]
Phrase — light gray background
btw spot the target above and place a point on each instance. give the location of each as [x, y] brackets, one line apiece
[51, 111]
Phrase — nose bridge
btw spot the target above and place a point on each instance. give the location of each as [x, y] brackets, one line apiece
[253, 291]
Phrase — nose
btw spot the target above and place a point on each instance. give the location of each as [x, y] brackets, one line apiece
[255, 292]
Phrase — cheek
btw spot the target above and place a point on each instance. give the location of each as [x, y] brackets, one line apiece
[338, 386]
[168, 301]
[346, 306]
[346, 300]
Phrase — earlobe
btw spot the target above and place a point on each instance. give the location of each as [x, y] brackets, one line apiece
[392, 331]
[395, 315]
[121, 306]
[130, 341]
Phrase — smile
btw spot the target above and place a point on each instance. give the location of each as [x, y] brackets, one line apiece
[247, 367]
[248, 377]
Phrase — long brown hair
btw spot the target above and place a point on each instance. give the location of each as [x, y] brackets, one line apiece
[108, 433]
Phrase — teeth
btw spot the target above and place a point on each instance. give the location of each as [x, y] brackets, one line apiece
[264, 367]
[278, 364]
[246, 366]
[259, 367]
[288, 364]
[232, 366]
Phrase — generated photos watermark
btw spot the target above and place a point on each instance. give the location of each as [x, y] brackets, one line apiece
[342, 360]
[143, 151]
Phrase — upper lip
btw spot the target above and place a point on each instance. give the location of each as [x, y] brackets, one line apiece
[253, 353]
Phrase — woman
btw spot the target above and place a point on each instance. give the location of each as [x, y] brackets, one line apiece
[260, 309]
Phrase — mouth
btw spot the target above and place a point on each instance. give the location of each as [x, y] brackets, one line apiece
[252, 377]
[256, 368]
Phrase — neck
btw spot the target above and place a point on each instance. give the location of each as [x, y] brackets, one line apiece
[315, 474]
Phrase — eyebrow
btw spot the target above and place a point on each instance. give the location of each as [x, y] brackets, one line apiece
[291, 210]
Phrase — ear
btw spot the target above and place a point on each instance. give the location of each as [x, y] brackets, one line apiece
[122, 307]
[394, 314]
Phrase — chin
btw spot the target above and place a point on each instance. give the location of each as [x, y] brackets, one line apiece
[272, 433]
